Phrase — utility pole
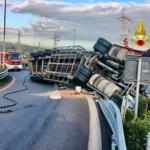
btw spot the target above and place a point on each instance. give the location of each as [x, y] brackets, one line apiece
[39, 46]
[55, 40]
[18, 43]
[4, 44]
[34, 44]
[124, 27]
[74, 37]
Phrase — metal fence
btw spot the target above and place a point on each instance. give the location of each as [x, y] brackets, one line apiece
[3, 74]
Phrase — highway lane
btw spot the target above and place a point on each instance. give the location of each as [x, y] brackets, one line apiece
[39, 123]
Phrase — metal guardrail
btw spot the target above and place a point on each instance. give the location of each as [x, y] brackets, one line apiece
[3, 74]
[113, 116]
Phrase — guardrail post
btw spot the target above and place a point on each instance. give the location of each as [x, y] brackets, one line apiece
[113, 143]
[124, 107]
[137, 87]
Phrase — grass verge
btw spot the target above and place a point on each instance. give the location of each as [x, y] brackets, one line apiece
[2, 69]
[6, 80]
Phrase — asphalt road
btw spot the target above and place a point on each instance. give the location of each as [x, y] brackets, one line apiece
[39, 123]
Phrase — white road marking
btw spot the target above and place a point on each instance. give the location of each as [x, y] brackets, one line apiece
[94, 131]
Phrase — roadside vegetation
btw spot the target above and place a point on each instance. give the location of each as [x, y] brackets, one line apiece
[2, 69]
[136, 130]
[6, 79]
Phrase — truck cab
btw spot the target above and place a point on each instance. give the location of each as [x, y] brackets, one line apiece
[12, 60]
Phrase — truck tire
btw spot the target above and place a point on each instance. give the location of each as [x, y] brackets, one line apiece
[32, 78]
[41, 53]
[34, 55]
[104, 42]
[81, 77]
[85, 71]
[48, 52]
[36, 78]
[100, 48]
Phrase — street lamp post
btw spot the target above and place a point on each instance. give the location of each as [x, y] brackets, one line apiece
[74, 37]
[4, 34]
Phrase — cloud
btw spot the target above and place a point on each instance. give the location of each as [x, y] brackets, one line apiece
[9, 3]
[91, 20]
[80, 13]
[9, 30]
[54, 8]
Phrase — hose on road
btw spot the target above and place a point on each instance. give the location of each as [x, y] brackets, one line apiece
[13, 101]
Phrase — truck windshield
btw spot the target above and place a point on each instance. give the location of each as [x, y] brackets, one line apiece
[14, 56]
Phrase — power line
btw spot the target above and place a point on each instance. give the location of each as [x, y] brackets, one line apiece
[18, 43]
[4, 46]
[39, 46]
[124, 27]
[55, 40]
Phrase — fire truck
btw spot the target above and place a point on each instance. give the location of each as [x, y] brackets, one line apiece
[12, 60]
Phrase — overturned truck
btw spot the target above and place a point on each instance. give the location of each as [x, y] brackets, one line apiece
[101, 70]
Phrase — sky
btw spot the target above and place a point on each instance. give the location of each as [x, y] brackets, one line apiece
[79, 22]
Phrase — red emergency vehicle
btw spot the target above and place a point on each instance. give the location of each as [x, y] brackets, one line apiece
[12, 60]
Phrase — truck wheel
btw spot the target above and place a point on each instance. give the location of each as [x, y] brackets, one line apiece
[41, 53]
[32, 78]
[81, 77]
[48, 52]
[117, 100]
[85, 71]
[104, 42]
[36, 78]
[100, 48]
[34, 55]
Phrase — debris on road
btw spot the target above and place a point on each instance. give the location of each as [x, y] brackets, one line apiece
[55, 95]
